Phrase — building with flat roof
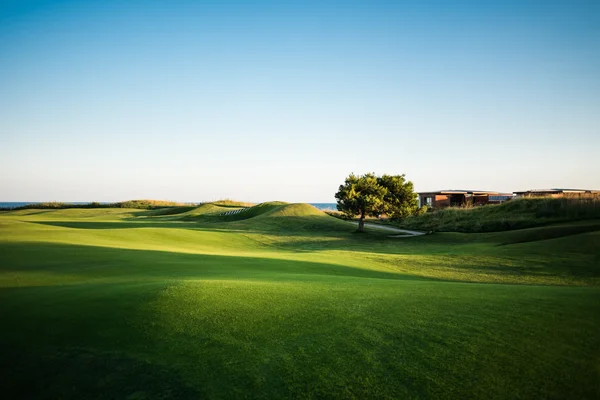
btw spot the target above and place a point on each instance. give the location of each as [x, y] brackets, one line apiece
[457, 198]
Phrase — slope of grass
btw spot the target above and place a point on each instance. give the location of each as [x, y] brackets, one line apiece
[514, 214]
[206, 209]
[292, 218]
[254, 211]
[167, 211]
[294, 210]
[290, 302]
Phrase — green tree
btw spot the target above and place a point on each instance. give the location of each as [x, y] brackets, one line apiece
[400, 200]
[361, 195]
[370, 195]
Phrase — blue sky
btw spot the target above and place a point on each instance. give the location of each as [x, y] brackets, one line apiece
[280, 100]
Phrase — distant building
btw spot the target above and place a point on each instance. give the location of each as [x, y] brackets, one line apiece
[556, 192]
[456, 198]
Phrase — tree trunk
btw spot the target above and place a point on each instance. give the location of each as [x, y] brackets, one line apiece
[361, 222]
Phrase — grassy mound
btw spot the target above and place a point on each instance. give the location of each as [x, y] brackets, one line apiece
[206, 209]
[215, 213]
[283, 217]
[255, 211]
[294, 210]
[514, 214]
[203, 212]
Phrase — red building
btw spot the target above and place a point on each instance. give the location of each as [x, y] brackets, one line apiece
[457, 198]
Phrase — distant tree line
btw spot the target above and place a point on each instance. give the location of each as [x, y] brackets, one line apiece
[139, 204]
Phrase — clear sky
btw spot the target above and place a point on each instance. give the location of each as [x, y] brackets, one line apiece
[280, 100]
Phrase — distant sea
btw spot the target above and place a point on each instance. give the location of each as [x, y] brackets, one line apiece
[16, 204]
[320, 206]
[324, 206]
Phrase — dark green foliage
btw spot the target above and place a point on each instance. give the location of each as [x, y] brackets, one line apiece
[370, 196]
[361, 195]
[400, 200]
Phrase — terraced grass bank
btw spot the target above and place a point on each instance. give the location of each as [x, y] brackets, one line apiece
[514, 214]
[281, 300]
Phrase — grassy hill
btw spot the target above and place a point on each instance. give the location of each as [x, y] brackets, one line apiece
[514, 214]
[281, 300]
[269, 216]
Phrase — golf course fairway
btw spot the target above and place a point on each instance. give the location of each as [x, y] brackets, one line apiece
[283, 301]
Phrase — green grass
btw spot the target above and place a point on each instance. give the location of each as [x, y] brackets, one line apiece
[514, 214]
[286, 301]
[232, 203]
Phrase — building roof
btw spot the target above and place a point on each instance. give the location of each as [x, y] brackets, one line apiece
[478, 192]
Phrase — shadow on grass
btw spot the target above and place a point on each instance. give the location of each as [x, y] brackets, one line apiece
[289, 229]
[74, 373]
[95, 225]
[288, 238]
[275, 225]
[412, 258]
[547, 233]
[92, 262]
[77, 341]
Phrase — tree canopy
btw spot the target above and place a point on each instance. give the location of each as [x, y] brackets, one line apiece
[371, 195]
